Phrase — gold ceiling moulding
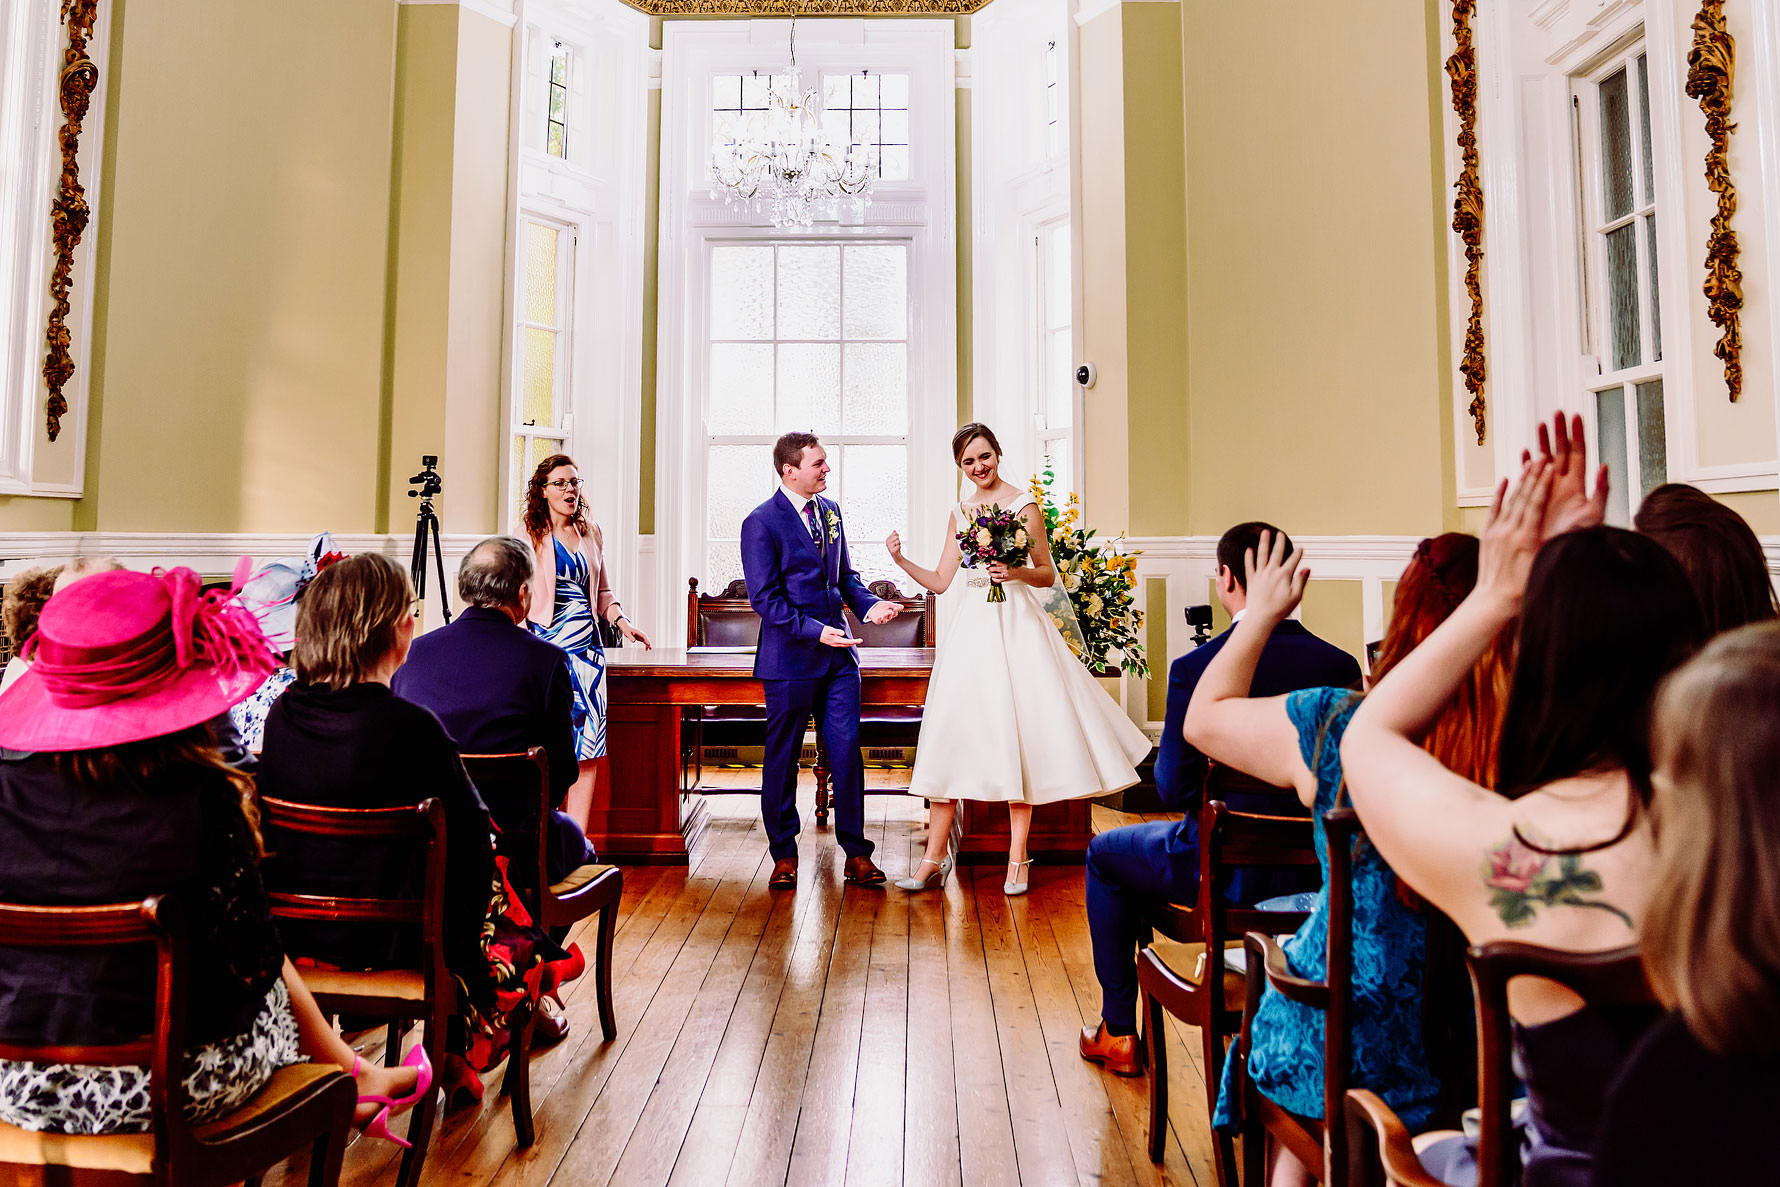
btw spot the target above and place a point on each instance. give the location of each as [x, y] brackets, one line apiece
[1467, 206]
[671, 8]
[1711, 65]
[69, 212]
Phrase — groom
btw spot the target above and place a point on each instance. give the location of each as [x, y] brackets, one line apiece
[794, 556]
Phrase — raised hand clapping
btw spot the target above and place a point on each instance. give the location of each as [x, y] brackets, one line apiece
[1512, 537]
[1571, 506]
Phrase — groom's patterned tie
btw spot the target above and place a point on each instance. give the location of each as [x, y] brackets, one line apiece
[809, 516]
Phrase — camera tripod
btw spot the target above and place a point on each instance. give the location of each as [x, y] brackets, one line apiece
[426, 526]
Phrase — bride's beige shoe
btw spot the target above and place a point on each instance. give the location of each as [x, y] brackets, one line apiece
[936, 880]
[1012, 888]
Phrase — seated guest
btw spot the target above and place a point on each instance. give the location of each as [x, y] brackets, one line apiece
[271, 593]
[1694, 1097]
[1131, 868]
[111, 790]
[339, 737]
[1718, 550]
[499, 689]
[23, 601]
[1563, 840]
[1295, 740]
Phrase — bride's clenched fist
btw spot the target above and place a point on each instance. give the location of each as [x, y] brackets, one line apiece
[894, 544]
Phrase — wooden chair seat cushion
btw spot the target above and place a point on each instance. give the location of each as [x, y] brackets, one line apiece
[1188, 963]
[408, 985]
[577, 878]
[134, 1153]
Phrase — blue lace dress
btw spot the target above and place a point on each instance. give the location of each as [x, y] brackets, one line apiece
[573, 629]
[1390, 950]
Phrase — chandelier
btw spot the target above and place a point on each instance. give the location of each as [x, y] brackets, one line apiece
[782, 167]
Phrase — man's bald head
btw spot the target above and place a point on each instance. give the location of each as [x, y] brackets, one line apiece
[497, 575]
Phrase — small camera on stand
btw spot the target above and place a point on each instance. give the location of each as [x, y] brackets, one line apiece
[1199, 619]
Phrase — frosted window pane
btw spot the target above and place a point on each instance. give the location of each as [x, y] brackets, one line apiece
[1656, 305]
[1616, 146]
[896, 89]
[741, 292]
[1644, 125]
[1058, 305]
[1653, 445]
[1622, 285]
[754, 91]
[723, 564]
[517, 479]
[877, 292]
[877, 388]
[1610, 428]
[893, 165]
[741, 388]
[877, 493]
[872, 561]
[809, 292]
[737, 479]
[540, 378]
[835, 128]
[1059, 382]
[865, 90]
[726, 92]
[896, 127]
[540, 273]
[865, 127]
[1057, 453]
[809, 389]
[836, 92]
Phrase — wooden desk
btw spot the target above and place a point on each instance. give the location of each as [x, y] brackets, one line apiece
[648, 817]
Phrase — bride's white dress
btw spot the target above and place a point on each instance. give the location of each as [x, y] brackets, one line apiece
[1011, 713]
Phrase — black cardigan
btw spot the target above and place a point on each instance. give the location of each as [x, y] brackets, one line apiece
[65, 844]
[365, 747]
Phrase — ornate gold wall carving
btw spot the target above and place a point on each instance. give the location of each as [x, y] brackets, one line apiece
[1711, 66]
[1467, 205]
[807, 7]
[68, 213]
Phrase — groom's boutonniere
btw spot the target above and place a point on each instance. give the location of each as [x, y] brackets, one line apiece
[834, 525]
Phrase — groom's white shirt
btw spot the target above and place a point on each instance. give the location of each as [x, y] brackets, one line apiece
[796, 500]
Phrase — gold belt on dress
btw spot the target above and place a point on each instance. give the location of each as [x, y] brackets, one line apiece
[977, 582]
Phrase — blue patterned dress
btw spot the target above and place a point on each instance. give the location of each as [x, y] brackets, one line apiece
[573, 629]
[1390, 952]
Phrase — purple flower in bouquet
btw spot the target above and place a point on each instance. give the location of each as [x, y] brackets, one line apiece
[995, 536]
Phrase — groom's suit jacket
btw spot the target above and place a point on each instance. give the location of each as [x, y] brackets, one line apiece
[798, 586]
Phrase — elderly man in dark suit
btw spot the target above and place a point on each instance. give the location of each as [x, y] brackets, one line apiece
[1131, 868]
[498, 688]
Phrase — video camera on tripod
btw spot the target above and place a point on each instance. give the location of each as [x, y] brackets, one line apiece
[426, 525]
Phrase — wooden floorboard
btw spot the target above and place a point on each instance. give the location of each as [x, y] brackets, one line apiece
[830, 1035]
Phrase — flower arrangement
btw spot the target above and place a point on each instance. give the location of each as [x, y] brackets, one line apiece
[995, 535]
[1099, 580]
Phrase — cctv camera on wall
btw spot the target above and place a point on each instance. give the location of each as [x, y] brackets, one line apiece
[1086, 374]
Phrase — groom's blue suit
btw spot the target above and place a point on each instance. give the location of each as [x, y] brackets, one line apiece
[798, 585]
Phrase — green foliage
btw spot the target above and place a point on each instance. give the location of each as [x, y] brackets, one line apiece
[1099, 579]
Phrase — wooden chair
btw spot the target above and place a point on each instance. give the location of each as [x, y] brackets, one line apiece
[304, 1106]
[1314, 1143]
[1213, 998]
[524, 779]
[426, 994]
[1379, 1149]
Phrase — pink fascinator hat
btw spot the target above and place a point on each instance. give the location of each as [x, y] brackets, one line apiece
[120, 657]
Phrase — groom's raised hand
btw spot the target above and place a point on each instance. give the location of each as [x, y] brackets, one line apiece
[882, 612]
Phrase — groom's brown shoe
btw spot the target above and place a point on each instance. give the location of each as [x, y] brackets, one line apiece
[784, 874]
[861, 872]
[1122, 1055]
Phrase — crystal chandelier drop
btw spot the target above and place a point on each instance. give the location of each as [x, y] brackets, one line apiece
[782, 167]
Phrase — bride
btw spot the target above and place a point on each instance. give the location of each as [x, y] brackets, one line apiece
[1011, 714]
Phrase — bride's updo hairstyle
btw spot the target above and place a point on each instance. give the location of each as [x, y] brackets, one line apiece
[970, 432]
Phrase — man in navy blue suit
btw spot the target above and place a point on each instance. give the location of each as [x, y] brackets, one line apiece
[1132, 868]
[498, 688]
[799, 576]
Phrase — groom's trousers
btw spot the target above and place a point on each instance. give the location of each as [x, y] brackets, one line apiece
[834, 701]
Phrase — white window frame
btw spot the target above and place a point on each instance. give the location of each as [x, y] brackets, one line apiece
[562, 364]
[596, 196]
[32, 42]
[1044, 324]
[918, 212]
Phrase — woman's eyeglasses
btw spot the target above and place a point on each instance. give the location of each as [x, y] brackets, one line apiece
[567, 483]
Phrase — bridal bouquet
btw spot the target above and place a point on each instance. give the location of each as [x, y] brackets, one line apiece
[995, 535]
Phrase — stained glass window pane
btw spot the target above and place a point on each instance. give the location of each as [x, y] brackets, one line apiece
[1644, 125]
[738, 477]
[741, 388]
[741, 292]
[809, 388]
[809, 292]
[1653, 444]
[540, 273]
[1610, 427]
[1616, 146]
[1622, 285]
[538, 406]
[877, 291]
[1656, 304]
[723, 564]
[877, 388]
